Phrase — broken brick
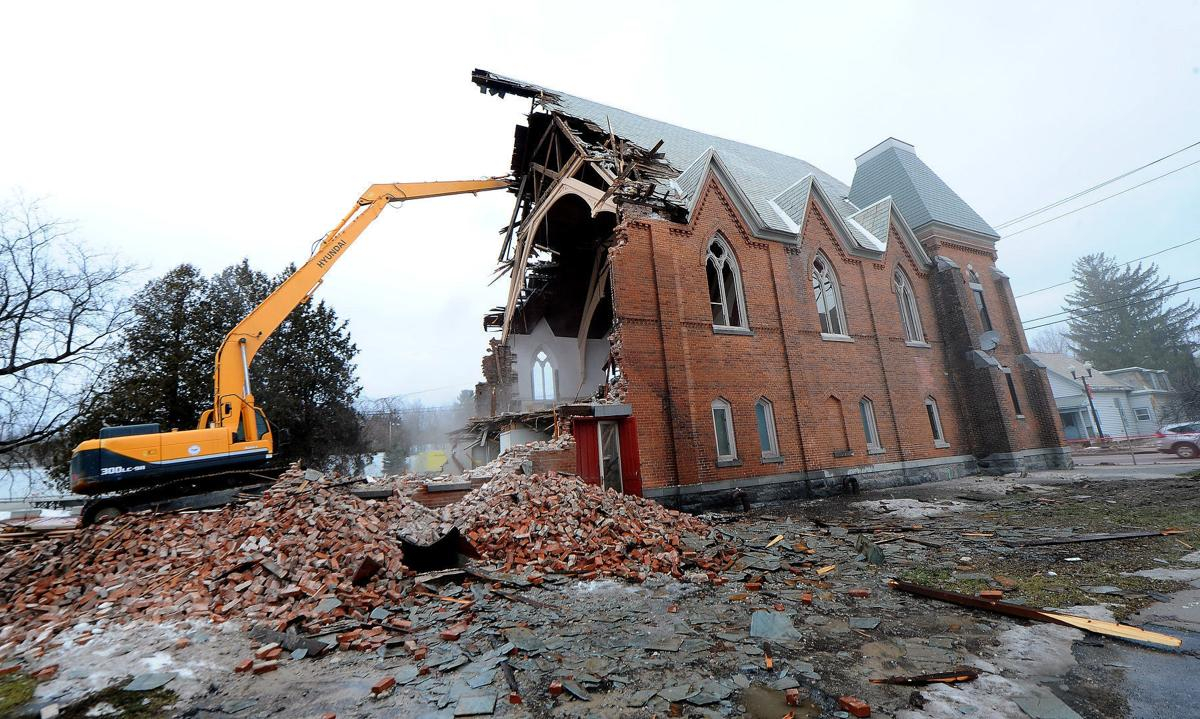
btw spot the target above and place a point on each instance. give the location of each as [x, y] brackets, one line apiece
[556, 688]
[264, 667]
[855, 706]
[792, 696]
[859, 593]
[46, 673]
[265, 650]
[383, 685]
[243, 666]
[992, 595]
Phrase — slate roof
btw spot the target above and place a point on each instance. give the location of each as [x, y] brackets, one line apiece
[893, 168]
[776, 186]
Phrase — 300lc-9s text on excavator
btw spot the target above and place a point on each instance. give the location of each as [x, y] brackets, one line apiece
[138, 466]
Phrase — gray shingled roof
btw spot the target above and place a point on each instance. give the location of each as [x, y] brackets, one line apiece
[768, 180]
[894, 169]
[761, 174]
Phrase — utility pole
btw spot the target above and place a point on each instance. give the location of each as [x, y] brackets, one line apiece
[1083, 377]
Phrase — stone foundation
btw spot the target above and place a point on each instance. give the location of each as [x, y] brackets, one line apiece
[825, 483]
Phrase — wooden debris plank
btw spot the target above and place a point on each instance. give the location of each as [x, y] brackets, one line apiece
[1112, 629]
[1079, 538]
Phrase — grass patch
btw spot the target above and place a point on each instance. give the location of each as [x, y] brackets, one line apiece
[15, 690]
[128, 705]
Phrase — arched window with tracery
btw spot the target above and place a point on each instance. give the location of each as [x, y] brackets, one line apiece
[828, 296]
[910, 314]
[544, 389]
[724, 286]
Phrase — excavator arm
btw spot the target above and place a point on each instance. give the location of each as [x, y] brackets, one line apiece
[231, 378]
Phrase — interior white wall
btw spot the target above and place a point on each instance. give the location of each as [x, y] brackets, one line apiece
[564, 358]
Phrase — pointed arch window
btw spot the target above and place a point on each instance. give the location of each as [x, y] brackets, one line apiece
[977, 291]
[828, 296]
[768, 442]
[723, 429]
[544, 389]
[724, 286]
[866, 409]
[910, 314]
[935, 422]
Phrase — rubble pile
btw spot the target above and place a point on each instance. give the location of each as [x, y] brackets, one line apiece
[310, 555]
[306, 551]
[514, 458]
[557, 523]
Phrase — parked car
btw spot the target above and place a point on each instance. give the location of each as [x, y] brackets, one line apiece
[1182, 439]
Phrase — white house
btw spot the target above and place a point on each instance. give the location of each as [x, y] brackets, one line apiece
[1128, 402]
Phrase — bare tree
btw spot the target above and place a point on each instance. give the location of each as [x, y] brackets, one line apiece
[1052, 339]
[61, 305]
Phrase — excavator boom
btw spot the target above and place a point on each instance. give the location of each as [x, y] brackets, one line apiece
[234, 436]
[231, 378]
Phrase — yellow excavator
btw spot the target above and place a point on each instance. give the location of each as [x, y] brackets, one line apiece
[233, 442]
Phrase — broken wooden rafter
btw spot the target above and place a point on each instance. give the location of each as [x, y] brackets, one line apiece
[1112, 629]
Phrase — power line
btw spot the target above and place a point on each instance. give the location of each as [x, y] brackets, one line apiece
[1081, 193]
[1138, 259]
[1102, 199]
[1110, 309]
[1105, 302]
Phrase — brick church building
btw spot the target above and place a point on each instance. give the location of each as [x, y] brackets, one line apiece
[708, 316]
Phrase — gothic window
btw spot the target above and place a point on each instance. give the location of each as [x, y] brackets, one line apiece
[910, 315]
[977, 291]
[935, 421]
[543, 378]
[768, 443]
[866, 408]
[724, 286]
[828, 296]
[723, 429]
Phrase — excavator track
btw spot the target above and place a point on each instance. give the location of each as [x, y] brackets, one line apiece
[155, 496]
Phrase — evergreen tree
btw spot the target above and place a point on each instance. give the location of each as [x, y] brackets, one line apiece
[1125, 317]
[303, 376]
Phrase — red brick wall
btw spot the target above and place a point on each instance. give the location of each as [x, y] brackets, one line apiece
[676, 365]
[554, 460]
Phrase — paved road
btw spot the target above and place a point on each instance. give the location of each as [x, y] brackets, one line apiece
[1147, 465]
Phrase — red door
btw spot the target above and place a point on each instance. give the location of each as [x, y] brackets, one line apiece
[587, 449]
[631, 459]
[607, 454]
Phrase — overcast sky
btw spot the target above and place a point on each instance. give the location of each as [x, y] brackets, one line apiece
[208, 132]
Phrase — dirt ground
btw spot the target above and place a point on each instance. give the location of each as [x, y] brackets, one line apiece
[732, 649]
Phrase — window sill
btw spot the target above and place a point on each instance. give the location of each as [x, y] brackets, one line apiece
[941, 444]
[876, 450]
[840, 453]
[836, 338]
[772, 459]
[728, 330]
[922, 345]
[735, 462]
